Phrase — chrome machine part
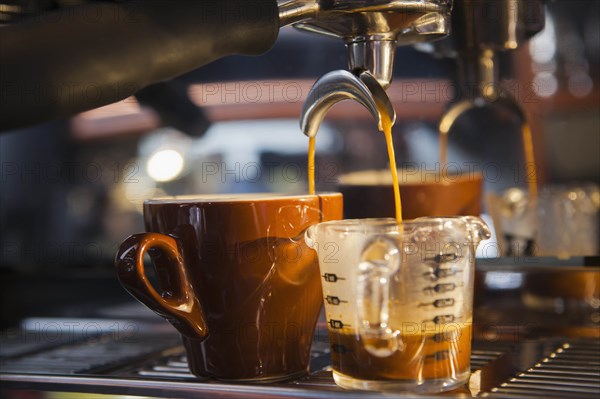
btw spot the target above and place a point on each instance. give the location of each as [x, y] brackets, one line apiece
[337, 86]
[480, 30]
[371, 29]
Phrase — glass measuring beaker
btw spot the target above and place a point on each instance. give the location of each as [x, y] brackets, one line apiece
[399, 300]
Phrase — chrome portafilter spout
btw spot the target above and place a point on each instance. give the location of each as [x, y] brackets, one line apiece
[502, 102]
[371, 30]
[480, 89]
[337, 86]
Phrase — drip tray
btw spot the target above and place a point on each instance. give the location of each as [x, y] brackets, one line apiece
[544, 368]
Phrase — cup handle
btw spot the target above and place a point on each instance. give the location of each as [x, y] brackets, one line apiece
[176, 303]
[380, 260]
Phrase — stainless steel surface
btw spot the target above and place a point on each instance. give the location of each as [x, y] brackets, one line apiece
[371, 29]
[375, 56]
[337, 86]
[167, 375]
[291, 11]
[530, 369]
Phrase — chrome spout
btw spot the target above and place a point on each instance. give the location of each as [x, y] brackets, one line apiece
[375, 56]
[338, 86]
[502, 100]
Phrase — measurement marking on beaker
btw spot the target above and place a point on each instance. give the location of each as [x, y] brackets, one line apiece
[441, 355]
[441, 288]
[337, 324]
[332, 278]
[334, 300]
[440, 272]
[450, 335]
[339, 348]
[442, 258]
[440, 303]
[444, 319]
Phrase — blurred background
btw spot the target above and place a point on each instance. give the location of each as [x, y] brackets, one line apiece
[72, 190]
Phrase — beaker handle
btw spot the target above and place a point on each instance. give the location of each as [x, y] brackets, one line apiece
[477, 228]
[380, 260]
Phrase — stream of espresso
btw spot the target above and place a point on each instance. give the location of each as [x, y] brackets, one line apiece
[386, 126]
[311, 165]
[530, 169]
[443, 152]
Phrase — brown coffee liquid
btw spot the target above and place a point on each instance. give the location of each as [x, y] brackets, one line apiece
[421, 356]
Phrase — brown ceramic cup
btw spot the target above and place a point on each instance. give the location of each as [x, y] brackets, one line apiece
[369, 194]
[236, 279]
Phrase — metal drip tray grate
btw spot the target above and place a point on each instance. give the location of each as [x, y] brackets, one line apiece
[572, 370]
[172, 367]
